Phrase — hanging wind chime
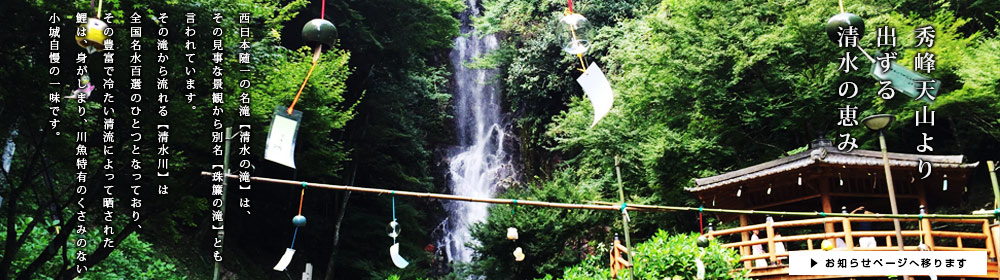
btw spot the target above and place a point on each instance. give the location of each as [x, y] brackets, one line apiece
[393, 231]
[593, 81]
[843, 21]
[702, 243]
[282, 136]
[512, 235]
[699, 265]
[298, 221]
[91, 35]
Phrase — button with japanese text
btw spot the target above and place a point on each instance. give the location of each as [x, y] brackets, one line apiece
[883, 263]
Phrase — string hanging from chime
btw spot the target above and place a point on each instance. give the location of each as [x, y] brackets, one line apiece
[701, 221]
[316, 33]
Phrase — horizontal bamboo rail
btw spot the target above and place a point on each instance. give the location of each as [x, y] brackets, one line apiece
[599, 205]
[804, 214]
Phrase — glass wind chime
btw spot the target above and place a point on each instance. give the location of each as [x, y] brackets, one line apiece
[576, 41]
[393, 231]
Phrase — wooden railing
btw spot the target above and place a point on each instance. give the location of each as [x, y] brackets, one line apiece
[926, 233]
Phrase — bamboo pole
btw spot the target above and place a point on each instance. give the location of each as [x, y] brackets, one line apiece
[628, 241]
[993, 178]
[608, 206]
[848, 235]
[976, 215]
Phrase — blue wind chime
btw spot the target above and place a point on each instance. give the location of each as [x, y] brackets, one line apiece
[393, 231]
[298, 221]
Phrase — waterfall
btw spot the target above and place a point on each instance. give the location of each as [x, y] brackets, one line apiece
[478, 163]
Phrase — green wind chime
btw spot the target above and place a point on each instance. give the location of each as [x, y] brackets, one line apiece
[282, 136]
[284, 127]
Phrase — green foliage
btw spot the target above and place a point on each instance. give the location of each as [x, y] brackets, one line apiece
[551, 239]
[134, 258]
[705, 87]
[664, 256]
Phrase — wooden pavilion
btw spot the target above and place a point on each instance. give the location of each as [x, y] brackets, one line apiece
[824, 179]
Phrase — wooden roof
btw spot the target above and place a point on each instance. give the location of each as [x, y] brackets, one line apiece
[827, 155]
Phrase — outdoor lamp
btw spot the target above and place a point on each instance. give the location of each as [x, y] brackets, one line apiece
[878, 122]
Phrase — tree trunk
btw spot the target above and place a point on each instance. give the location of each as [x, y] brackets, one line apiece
[336, 236]
[330, 270]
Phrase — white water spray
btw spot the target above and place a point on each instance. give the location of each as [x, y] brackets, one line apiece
[478, 163]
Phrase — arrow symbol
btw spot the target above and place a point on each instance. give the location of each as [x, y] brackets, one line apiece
[813, 263]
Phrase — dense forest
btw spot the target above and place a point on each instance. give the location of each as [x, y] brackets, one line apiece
[701, 88]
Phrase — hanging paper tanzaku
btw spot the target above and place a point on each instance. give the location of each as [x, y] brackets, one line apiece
[285, 260]
[598, 90]
[281, 138]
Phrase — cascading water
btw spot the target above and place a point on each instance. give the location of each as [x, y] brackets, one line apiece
[478, 163]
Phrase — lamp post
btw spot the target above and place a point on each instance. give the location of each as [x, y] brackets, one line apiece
[878, 123]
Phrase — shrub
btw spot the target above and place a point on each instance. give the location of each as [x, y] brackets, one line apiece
[664, 256]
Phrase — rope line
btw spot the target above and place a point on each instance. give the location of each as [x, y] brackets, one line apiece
[609, 206]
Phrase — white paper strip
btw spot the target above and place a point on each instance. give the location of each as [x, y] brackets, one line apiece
[396, 258]
[285, 260]
[598, 90]
[281, 138]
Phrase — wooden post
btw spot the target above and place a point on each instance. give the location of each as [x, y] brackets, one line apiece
[848, 237]
[824, 192]
[925, 224]
[990, 253]
[770, 242]
[809, 244]
[744, 237]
